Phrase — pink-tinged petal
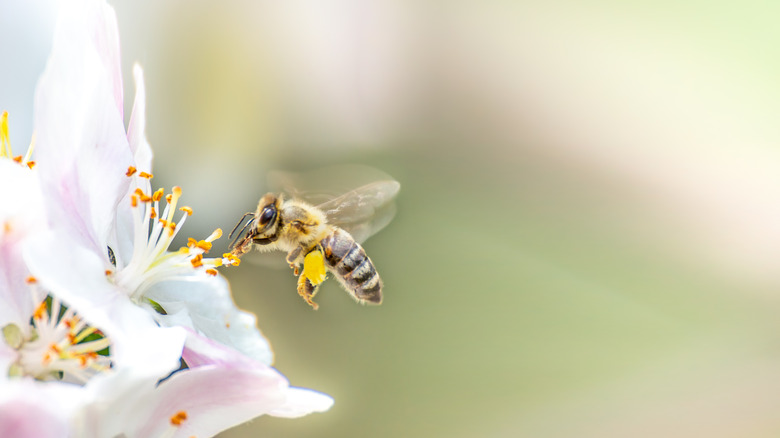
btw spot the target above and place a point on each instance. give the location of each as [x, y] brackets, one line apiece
[99, 20]
[204, 303]
[21, 215]
[81, 146]
[221, 389]
[214, 399]
[31, 409]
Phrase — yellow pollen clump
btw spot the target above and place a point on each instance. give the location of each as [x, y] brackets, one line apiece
[134, 201]
[232, 258]
[109, 272]
[178, 418]
[31, 280]
[131, 171]
[31, 164]
[314, 267]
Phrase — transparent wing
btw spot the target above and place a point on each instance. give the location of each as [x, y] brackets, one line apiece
[363, 211]
[358, 199]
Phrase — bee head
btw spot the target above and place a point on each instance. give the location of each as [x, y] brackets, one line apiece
[266, 218]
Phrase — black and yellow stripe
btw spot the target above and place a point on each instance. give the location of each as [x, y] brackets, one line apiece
[349, 262]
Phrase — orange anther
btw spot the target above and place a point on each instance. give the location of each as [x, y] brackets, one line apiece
[178, 418]
[40, 310]
[187, 210]
[31, 280]
[197, 261]
[131, 171]
[146, 175]
[212, 272]
[153, 213]
[158, 194]
[134, 201]
[31, 164]
[18, 159]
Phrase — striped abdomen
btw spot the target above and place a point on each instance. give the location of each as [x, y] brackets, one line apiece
[347, 260]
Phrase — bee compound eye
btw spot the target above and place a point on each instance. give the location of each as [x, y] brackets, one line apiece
[267, 215]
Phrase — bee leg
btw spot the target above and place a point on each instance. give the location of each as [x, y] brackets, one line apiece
[292, 258]
[307, 291]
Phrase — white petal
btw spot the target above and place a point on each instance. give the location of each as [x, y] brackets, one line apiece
[21, 215]
[79, 281]
[206, 305]
[302, 401]
[81, 147]
[7, 356]
[121, 242]
[136, 129]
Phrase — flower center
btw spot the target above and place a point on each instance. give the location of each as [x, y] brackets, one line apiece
[5, 144]
[59, 346]
[153, 234]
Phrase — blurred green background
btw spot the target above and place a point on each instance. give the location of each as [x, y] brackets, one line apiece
[588, 229]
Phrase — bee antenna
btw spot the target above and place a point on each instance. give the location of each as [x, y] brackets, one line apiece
[239, 223]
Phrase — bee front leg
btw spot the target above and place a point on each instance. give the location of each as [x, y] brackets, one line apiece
[292, 259]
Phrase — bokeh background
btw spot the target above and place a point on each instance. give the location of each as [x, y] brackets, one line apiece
[588, 231]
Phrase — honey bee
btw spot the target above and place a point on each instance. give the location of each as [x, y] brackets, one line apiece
[323, 238]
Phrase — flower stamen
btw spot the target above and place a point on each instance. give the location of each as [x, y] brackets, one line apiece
[5, 144]
[154, 231]
[58, 344]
